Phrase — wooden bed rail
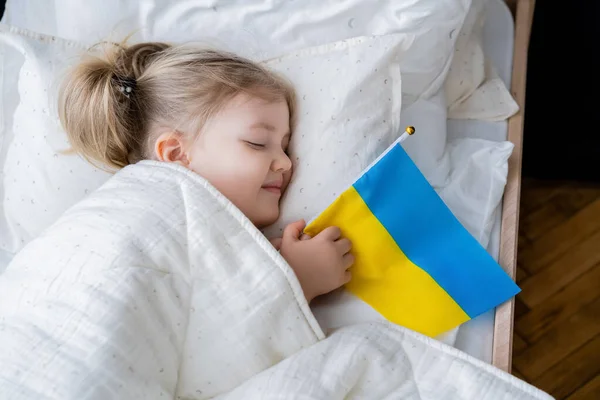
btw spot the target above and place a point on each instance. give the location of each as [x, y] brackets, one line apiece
[504, 318]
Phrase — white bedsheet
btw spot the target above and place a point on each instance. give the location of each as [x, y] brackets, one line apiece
[156, 286]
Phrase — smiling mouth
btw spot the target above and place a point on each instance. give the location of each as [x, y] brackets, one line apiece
[273, 188]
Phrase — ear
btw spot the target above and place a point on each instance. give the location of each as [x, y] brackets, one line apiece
[170, 147]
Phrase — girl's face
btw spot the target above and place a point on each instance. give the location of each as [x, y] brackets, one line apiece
[242, 152]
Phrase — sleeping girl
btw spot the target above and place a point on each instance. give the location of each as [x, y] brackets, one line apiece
[221, 116]
[160, 282]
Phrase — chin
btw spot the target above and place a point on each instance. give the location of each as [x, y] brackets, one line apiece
[267, 219]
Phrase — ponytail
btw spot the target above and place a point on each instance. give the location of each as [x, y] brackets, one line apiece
[101, 104]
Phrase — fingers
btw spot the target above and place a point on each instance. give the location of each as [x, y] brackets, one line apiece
[347, 260]
[305, 237]
[292, 231]
[331, 233]
[343, 245]
[347, 277]
[276, 242]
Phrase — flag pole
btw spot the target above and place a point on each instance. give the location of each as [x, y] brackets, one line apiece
[408, 132]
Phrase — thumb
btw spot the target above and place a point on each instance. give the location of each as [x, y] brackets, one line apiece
[292, 231]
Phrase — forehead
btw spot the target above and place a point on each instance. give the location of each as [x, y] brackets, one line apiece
[256, 112]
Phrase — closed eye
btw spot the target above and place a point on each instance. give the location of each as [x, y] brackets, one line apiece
[255, 145]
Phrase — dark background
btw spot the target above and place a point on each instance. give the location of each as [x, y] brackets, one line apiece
[562, 113]
[561, 139]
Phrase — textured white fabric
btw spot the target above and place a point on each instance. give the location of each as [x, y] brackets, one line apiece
[11, 61]
[40, 182]
[5, 258]
[476, 184]
[156, 286]
[466, 70]
[490, 101]
[10, 65]
[383, 361]
[154, 283]
[260, 29]
[266, 29]
[473, 89]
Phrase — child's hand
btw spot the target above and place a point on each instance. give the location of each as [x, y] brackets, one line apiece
[320, 263]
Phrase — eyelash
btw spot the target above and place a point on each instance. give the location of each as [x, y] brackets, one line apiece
[256, 145]
[262, 146]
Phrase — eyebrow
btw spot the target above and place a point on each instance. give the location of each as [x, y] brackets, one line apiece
[263, 125]
[268, 127]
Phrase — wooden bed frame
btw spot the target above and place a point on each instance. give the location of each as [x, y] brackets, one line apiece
[503, 324]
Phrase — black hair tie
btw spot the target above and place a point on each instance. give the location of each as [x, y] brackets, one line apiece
[126, 85]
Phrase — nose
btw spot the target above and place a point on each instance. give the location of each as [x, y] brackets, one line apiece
[281, 162]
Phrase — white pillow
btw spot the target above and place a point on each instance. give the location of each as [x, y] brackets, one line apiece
[473, 88]
[12, 60]
[350, 89]
[261, 29]
[476, 184]
[490, 101]
[10, 65]
[39, 183]
[466, 71]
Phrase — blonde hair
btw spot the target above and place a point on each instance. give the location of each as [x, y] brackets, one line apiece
[111, 101]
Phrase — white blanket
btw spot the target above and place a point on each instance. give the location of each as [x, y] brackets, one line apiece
[157, 287]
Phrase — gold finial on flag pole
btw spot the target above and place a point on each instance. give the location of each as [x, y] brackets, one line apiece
[410, 130]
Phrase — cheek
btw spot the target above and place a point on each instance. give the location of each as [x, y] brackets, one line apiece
[250, 167]
[286, 179]
[235, 171]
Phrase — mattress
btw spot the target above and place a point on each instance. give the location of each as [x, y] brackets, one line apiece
[475, 337]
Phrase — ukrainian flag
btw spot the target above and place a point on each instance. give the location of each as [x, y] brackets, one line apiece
[415, 263]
